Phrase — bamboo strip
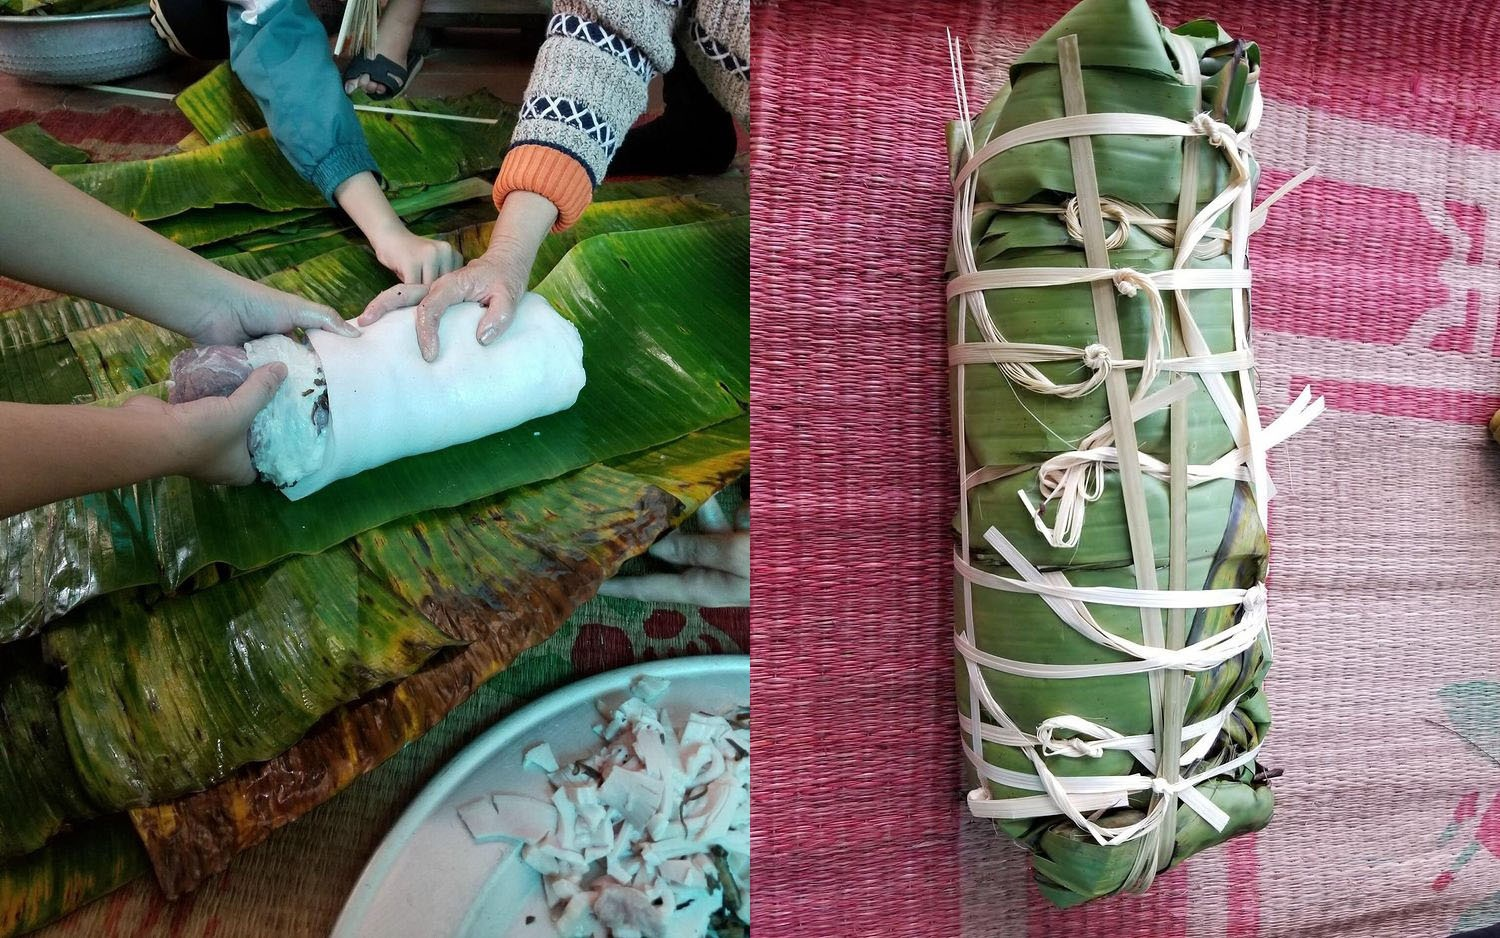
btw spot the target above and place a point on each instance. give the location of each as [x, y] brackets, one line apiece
[1137, 515]
[366, 108]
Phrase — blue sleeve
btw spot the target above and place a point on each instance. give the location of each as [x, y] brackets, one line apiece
[284, 61]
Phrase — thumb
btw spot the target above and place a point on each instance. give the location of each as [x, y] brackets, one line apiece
[401, 295]
[252, 396]
[321, 317]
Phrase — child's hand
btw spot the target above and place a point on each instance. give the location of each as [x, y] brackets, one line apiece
[210, 436]
[495, 281]
[415, 259]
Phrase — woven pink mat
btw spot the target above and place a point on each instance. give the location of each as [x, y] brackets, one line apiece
[1377, 283]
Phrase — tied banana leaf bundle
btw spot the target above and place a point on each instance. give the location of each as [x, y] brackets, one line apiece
[1111, 545]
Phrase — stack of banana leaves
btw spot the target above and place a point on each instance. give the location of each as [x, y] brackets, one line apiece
[185, 668]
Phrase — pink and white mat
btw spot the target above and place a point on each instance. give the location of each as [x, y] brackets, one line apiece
[1378, 283]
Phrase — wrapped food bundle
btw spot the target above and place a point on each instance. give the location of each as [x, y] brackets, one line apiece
[351, 404]
[1111, 541]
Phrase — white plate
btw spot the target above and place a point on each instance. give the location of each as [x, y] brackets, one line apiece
[429, 878]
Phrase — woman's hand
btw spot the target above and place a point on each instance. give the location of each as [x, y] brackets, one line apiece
[251, 310]
[210, 437]
[496, 279]
[63, 450]
[413, 258]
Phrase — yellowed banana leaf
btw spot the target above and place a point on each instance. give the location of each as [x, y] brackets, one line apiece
[163, 699]
[75, 868]
[543, 548]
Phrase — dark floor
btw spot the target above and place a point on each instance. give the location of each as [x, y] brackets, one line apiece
[463, 60]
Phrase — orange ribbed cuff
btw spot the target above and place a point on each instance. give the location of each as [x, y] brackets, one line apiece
[549, 173]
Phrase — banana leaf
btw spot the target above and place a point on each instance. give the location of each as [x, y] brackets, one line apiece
[181, 682]
[205, 226]
[61, 7]
[167, 698]
[656, 357]
[39, 791]
[219, 107]
[501, 574]
[43, 147]
[431, 215]
[126, 354]
[75, 868]
[1127, 66]
[249, 169]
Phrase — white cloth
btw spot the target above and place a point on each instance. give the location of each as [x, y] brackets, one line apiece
[386, 403]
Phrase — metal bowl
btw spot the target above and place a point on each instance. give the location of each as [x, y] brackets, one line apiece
[81, 48]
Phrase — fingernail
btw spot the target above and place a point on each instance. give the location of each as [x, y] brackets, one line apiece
[279, 369]
[488, 335]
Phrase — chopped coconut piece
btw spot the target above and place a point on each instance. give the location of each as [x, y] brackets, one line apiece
[649, 688]
[525, 819]
[483, 821]
[540, 757]
[649, 836]
[577, 919]
[636, 795]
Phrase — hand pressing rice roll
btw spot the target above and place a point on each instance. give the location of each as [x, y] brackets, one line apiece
[348, 405]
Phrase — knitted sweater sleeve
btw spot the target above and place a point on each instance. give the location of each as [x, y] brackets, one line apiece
[586, 90]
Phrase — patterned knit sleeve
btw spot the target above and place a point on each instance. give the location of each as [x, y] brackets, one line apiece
[586, 90]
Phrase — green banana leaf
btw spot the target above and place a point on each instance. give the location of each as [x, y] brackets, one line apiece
[502, 574]
[39, 791]
[165, 699]
[43, 147]
[219, 107]
[249, 169]
[170, 683]
[205, 226]
[75, 868]
[60, 555]
[662, 314]
[448, 218]
[130, 353]
[1127, 67]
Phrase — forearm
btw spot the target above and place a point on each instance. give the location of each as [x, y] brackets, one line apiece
[523, 223]
[285, 64]
[54, 236]
[55, 451]
[363, 201]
